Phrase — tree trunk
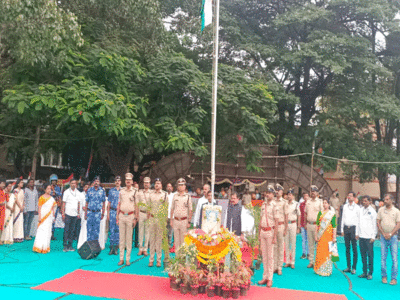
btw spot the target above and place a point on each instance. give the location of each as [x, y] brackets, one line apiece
[382, 177]
[35, 152]
[119, 164]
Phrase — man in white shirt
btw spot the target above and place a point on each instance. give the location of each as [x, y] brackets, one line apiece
[70, 214]
[199, 205]
[366, 234]
[350, 221]
[170, 196]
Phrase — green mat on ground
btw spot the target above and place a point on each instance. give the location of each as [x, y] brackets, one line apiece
[21, 268]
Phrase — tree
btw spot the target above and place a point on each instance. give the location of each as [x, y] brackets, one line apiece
[132, 90]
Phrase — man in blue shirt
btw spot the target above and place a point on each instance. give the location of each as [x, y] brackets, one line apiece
[95, 204]
[113, 197]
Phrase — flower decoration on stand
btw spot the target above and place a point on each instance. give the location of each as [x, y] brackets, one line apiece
[210, 260]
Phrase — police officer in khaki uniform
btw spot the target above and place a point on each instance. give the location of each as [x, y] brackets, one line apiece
[143, 198]
[313, 207]
[293, 212]
[181, 213]
[157, 198]
[268, 232]
[126, 218]
[281, 216]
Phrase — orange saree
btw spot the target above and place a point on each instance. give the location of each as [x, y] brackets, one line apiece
[326, 222]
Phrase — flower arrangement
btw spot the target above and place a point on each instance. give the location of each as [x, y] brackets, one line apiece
[198, 264]
[215, 246]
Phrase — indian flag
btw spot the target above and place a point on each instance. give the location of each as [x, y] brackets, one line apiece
[206, 13]
[68, 180]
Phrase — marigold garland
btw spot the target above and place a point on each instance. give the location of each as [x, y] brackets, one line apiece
[217, 252]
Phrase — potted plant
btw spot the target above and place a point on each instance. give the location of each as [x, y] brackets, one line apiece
[211, 281]
[185, 285]
[202, 281]
[226, 280]
[236, 283]
[194, 282]
[243, 276]
[173, 273]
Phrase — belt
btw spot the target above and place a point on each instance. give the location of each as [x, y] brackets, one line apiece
[151, 215]
[143, 211]
[267, 228]
[281, 223]
[290, 222]
[94, 210]
[349, 226]
[312, 223]
[180, 219]
[126, 214]
[112, 208]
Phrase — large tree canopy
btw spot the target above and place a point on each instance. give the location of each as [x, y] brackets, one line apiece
[112, 71]
[117, 76]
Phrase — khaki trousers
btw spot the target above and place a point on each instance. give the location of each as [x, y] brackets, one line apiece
[279, 248]
[290, 243]
[180, 229]
[311, 241]
[143, 232]
[125, 235]
[267, 252]
[155, 239]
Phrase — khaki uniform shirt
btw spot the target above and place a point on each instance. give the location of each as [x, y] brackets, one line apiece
[143, 197]
[281, 209]
[268, 214]
[335, 202]
[127, 199]
[156, 199]
[313, 207]
[181, 205]
[388, 218]
[292, 210]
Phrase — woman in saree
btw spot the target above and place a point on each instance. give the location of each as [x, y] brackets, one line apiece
[19, 212]
[7, 234]
[47, 210]
[326, 233]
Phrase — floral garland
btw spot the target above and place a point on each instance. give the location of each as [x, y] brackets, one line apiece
[219, 245]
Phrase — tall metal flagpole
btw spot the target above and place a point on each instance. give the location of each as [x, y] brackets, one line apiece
[214, 97]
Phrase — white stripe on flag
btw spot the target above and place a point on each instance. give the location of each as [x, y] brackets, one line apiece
[207, 12]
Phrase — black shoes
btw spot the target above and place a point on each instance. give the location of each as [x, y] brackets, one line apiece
[347, 270]
[303, 256]
[362, 276]
[113, 250]
[353, 271]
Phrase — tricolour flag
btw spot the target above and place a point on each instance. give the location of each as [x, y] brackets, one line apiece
[68, 180]
[206, 13]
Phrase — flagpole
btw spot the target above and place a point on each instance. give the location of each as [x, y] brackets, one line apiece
[214, 97]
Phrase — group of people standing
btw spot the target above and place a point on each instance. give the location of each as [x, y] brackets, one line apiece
[128, 208]
[16, 211]
[363, 224]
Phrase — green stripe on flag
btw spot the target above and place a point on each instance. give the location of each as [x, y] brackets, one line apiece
[202, 15]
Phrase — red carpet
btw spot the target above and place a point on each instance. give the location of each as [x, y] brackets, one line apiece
[127, 286]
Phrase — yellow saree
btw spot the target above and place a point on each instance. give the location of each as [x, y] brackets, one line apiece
[326, 222]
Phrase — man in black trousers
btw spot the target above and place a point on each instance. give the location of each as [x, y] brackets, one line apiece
[350, 221]
[367, 231]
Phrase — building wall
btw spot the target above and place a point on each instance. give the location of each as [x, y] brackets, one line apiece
[344, 184]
